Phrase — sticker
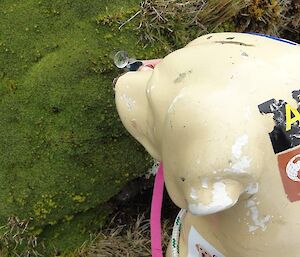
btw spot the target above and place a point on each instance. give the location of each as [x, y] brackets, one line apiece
[285, 139]
[289, 167]
[286, 133]
[199, 247]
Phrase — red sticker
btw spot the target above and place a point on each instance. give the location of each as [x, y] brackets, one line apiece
[289, 167]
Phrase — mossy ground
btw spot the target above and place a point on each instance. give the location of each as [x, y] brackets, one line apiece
[63, 149]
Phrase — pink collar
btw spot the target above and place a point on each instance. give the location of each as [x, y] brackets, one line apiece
[155, 216]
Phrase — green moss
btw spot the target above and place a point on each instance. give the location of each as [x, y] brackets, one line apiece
[77, 229]
[79, 198]
[43, 207]
[63, 148]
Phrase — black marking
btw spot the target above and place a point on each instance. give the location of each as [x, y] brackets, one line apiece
[281, 139]
[182, 76]
[233, 42]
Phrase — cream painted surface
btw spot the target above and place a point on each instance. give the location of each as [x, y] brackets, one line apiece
[197, 112]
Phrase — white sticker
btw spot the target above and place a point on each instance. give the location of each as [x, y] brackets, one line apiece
[199, 247]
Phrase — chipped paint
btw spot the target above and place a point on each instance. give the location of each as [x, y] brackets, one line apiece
[258, 222]
[252, 188]
[239, 163]
[237, 147]
[204, 183]
[242, 165]
[194, 194]
[220, 201]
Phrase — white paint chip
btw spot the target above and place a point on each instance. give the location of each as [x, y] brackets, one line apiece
[258, 222]
[252, 188]
[241, 165]
[239, 162]
[204, 183]
[194, 194]
[237, 147]
[220, 201]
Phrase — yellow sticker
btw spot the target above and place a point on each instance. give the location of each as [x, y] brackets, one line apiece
[288, 116]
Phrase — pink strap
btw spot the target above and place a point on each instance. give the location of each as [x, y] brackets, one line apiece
[151, 63]
[155, 216]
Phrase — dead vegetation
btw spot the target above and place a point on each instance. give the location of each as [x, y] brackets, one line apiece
[178, 22]
[173, 23]
[273, 17]
[15, 235]
[123, 241]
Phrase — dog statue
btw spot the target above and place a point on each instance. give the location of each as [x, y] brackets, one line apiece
[222, 114]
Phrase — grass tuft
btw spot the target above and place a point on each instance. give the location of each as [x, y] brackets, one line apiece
[123, 241]
[178, 22]
[15, 235]
[174, 23]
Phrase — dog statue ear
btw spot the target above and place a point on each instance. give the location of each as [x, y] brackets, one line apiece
[134, 110]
